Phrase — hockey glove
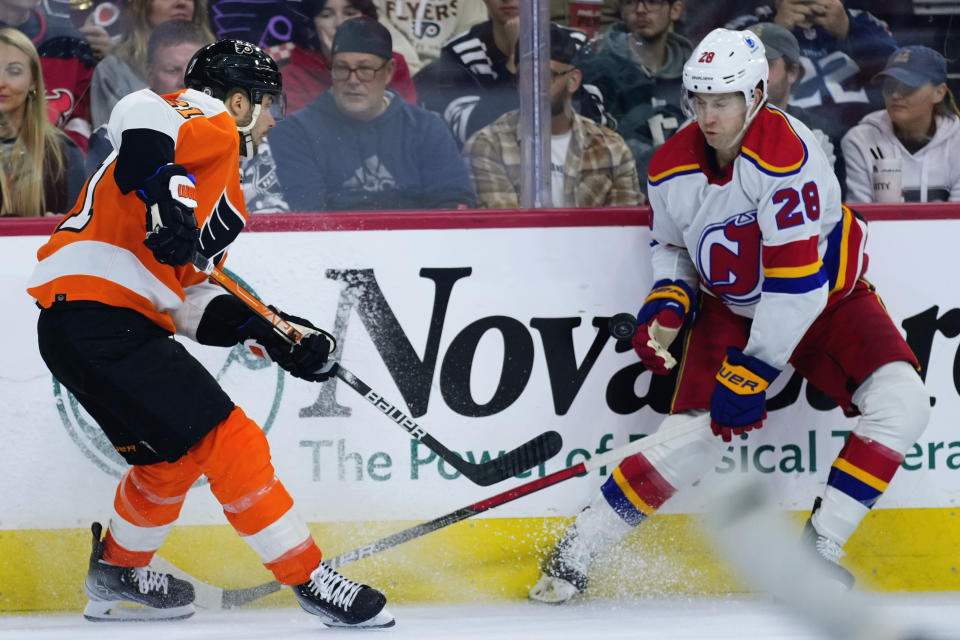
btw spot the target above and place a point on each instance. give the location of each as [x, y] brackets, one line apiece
[308, 359]
[670, 304]
[172, 234]
[738, 403]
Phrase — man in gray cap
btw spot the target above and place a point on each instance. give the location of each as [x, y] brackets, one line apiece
[359, 146]
[783, 56]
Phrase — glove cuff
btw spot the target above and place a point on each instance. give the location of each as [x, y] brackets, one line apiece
[169, 182]
[745, 375]
[675, 295]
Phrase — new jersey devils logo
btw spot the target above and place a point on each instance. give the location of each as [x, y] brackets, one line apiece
[728, 258]
[59, 106]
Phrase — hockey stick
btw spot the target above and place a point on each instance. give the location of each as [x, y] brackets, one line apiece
[751, 534]
[238, 597]
[528, 455]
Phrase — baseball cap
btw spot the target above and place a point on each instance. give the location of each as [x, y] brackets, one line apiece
[915, 66]
[565, 44]
[362, 35]
[778, 42]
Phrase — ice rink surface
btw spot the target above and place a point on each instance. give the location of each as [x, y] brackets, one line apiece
[936, 615]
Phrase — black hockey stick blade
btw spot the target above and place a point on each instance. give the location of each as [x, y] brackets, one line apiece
[518, 460]
[514, 462]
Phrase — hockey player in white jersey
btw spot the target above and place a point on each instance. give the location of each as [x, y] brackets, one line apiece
[756, 264]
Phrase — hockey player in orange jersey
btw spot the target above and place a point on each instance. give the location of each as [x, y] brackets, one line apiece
[116, 280]
[756, 264]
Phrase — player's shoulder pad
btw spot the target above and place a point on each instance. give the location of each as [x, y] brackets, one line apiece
[677, 156]
[772, 145]
[208, 104]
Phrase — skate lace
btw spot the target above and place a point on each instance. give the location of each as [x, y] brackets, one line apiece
[829, 549]
[148, 580]
[333, 587]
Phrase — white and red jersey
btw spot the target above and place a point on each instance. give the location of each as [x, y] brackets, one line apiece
[97, 252]
[767, 234]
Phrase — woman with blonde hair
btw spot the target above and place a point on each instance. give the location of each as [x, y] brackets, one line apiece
[42, 168]
[907, 151]
[124, 70]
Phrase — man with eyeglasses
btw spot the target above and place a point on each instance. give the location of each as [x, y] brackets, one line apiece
[359, 146]
[591, 165]
[637, 69]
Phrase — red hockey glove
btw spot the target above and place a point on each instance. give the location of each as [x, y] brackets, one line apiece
[670, 304]
[738, 403]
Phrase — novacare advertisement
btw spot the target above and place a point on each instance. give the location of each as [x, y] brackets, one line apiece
[486, 337]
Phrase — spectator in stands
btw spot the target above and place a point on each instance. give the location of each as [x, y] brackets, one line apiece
[700, 17]
[169, 50]
[358, 146]
[561, 10]
[305, 62]
[841, 50]
[42, 169]
[66, 61]
[474, 81]
[919, 131]
[783, 56]
[591, 165]
[638, 70]
[420, 28]
[125, 69]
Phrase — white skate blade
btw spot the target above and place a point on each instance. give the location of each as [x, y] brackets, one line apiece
[552, 590]
[382, 620]
[113, 611]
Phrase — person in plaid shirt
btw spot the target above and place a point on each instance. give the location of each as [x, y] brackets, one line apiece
[591, 166]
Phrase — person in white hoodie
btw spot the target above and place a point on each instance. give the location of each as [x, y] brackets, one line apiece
[920, 127]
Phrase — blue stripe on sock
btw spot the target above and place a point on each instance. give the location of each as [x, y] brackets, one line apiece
[856, 489]
[620, 504]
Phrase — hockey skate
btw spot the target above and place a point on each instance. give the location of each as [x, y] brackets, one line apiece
[340, 602]
[564, 572]
[112, 590]
[828, 550]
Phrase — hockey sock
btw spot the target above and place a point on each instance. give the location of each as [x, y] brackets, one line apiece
[147, 502]
[235, 457]
[858, 478]
[636, 489]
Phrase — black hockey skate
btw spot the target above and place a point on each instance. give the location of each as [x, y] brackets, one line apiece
[828, 550]
[564, 571]
[160, 596]
[341, 602]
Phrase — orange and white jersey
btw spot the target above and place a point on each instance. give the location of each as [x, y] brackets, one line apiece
[97, 252]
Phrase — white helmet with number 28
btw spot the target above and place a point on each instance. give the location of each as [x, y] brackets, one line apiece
[726, 61]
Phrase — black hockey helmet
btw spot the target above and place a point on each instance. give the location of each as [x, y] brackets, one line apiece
[227, 64]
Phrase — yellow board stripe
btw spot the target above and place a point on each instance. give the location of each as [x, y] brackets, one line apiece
[793, 272]
[632, 496]
[893, 550]
[861, 475]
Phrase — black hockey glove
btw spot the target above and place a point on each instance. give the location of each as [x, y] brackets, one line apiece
[172, 234]
[308, 359]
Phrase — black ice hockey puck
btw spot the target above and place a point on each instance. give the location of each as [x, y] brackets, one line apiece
[622, 326]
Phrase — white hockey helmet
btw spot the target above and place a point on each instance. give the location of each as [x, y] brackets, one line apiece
[726, 61]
